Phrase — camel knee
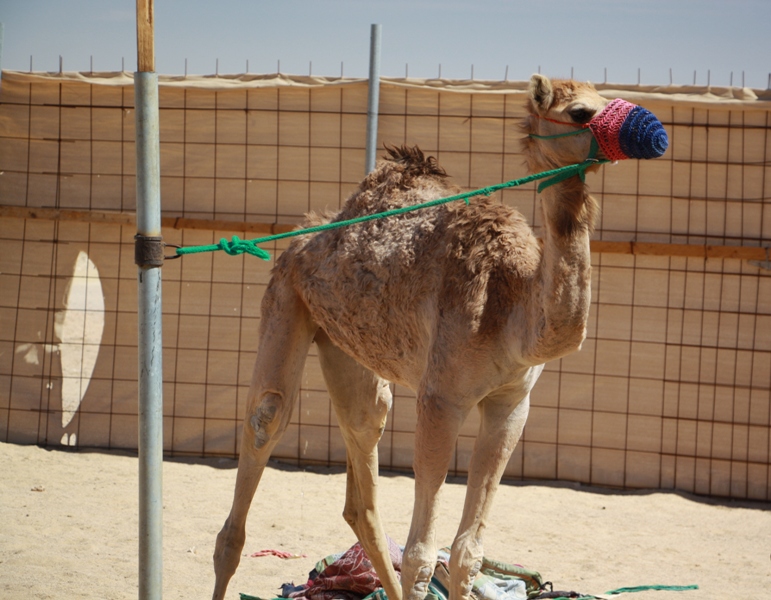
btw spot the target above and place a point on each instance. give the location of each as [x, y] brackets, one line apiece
[374, 423]
[267, 418]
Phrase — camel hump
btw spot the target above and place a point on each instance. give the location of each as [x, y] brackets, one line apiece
[414, 162]
[405, 176]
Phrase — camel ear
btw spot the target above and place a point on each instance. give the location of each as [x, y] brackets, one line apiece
[541, 91]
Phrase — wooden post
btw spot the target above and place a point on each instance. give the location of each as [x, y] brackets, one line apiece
[145, 36]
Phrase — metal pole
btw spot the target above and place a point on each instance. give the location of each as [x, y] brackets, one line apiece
[149, 259]
[2, 28]
[373, 99]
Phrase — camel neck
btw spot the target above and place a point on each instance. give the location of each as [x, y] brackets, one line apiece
[565, 275]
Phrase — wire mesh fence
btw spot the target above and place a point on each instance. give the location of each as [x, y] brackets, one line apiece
[672, 388]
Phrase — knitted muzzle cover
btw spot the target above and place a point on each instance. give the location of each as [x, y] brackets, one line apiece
[625, 130]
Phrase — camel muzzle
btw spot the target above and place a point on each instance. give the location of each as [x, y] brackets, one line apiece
[625, 130]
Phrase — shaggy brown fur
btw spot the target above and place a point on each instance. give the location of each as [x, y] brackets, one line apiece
[482, 255]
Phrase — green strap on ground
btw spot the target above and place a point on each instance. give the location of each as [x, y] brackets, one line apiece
[639, 588]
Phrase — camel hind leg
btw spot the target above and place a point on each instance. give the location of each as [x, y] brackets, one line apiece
[286, 332]
[361, 400]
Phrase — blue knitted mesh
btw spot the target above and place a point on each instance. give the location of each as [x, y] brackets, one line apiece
[642, 135]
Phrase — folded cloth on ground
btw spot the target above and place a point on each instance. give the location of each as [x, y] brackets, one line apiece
[495, 580]
[349, 576]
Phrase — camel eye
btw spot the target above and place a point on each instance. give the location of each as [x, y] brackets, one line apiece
[581, 115]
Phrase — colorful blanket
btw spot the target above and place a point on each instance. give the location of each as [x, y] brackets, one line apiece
[349, 575]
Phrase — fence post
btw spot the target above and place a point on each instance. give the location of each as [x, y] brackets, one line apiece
[373, 98]
[2, 28]
[149, 260]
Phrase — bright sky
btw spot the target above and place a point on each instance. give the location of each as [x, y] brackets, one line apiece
[587, 37]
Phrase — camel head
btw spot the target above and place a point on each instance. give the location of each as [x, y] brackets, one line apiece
[559, 108]
[569, 122]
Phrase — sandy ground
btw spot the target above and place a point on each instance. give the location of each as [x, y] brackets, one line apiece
[68, 529]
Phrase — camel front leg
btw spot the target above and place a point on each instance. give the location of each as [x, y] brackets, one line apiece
[286, 332]
[361, 400]
[499, 432]
[436, 432]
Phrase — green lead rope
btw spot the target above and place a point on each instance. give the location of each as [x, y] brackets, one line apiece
[238, 246]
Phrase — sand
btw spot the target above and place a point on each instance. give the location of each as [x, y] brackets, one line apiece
[68, 529]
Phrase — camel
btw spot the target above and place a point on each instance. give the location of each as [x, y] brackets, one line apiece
[460, 303]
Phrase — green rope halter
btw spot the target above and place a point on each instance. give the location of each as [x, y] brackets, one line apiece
[560, 135]
[238, 246]
[591, 159]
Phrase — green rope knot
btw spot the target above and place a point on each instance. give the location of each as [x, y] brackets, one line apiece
[238, 246]
[569, 171]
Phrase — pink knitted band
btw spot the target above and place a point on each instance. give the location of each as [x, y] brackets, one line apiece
[607, 125]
